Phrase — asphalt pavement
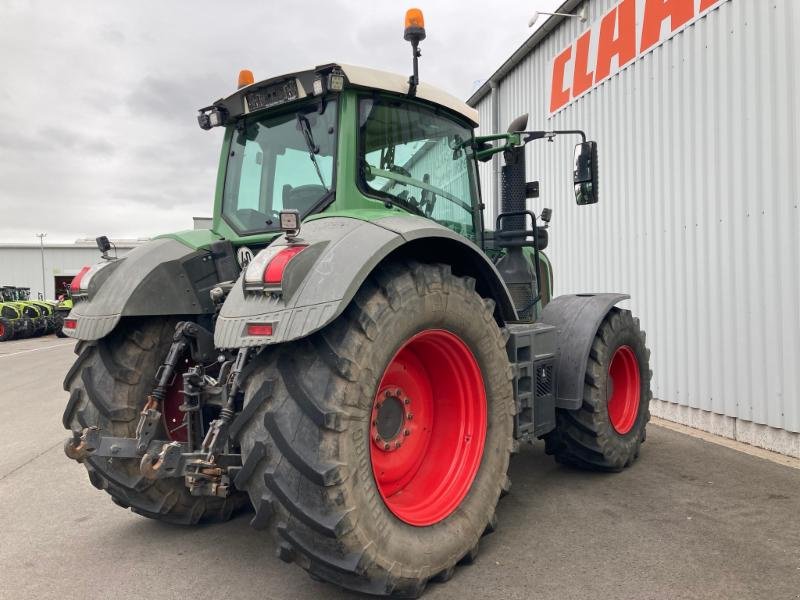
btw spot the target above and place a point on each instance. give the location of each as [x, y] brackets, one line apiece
[690, 519]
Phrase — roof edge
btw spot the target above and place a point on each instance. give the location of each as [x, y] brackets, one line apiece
[520, 53]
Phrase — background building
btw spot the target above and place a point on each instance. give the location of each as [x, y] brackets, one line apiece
[693, 104]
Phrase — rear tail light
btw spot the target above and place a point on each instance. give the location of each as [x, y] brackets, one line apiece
[269, 265]
[70, 323]
[75, 284]
[80, 283]
[259, 329]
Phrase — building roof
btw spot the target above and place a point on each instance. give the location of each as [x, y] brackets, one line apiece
[524, 50]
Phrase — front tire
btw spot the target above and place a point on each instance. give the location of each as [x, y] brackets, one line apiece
[108, 386]
[314, 470]
[606, 432]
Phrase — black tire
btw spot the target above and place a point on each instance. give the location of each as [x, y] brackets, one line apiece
[587, 438]
[107, 386]
[306, 447]
[6, 330]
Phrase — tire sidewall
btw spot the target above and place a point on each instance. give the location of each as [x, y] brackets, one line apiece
[615, 339]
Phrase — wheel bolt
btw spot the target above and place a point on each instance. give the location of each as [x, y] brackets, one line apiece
[410, 416]
[388, 394]
[386, 446]
[406, 401]
[375, 422]
[378, 405]
[397, 444]
[377, 438]
[406, 432]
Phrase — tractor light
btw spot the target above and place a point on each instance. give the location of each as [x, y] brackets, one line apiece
[211, 116]
[245, 78]
[259, 329]
[267, 268]
[70, 323]
[75, 284]
[336, 81]
[80, 283]
[415, 26]
[318, 86]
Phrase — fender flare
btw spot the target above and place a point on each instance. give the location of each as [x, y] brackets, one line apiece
[577, 318]
[342, 252]
[160, 277]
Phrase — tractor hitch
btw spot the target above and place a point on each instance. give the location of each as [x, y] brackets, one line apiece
[161, 459]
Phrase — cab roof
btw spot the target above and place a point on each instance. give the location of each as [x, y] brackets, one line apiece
[360, 77]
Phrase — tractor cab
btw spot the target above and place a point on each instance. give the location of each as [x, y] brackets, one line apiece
[341, 140]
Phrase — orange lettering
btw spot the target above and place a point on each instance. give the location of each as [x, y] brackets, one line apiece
[582, 78]
[558, 95]
[704, 4]
[622, 22]
[656, 12]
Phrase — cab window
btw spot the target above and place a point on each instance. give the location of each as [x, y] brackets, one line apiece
[421, 159]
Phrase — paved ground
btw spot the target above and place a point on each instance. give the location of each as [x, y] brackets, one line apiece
[689, 520]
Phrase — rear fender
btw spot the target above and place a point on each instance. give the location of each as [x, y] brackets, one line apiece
[577, 319]
[161, 277]
[323, 279]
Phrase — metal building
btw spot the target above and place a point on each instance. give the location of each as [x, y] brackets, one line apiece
[693, 104]
[27, 265]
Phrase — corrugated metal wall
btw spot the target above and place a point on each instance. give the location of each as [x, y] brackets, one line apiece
[698, 216]
[21, 266]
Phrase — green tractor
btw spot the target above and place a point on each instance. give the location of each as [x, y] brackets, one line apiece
[34, 317]
[350, 349]
[13, 323]
[47, 309]
[63, 306]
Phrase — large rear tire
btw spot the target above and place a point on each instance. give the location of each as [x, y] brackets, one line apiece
[378, 448]
[606, 432]
[108, 386]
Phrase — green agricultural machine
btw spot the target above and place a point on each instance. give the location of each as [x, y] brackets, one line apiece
[47, 309]
[350, 351]
[63, 306]
[13, 323]
[32, 318]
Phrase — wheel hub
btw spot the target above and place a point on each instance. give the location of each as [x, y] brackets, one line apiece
[391, 419]
[623, 390]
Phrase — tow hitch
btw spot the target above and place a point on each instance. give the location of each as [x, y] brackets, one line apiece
[207, 470]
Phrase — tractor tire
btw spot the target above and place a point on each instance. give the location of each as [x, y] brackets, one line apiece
[108, 386]
[376, 449]
[6, 330]
[606, 432]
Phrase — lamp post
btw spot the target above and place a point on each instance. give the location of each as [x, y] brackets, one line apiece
[41, 237]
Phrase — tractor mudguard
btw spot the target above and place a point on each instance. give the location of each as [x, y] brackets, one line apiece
[161, 277]
[323, 279]
[577, 318]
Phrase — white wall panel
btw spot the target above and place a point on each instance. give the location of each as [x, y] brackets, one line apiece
[698, 216]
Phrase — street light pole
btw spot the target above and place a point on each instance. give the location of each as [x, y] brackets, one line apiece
[41, 237]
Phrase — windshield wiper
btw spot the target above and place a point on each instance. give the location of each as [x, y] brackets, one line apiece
[305, 128]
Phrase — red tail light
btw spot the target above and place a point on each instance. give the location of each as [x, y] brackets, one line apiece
[70, 323]
[260, 329]
[75, 285]
[274, 271]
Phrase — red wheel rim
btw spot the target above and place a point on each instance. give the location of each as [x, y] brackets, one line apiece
[2, 330]
[174, 418]
[428, 427]
[623, 389]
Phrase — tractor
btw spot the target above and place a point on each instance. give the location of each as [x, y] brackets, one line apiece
[34, 318]
[47, 308]
[350, 351]
[13, 323]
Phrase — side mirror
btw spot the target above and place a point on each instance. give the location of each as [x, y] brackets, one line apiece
[585, 174]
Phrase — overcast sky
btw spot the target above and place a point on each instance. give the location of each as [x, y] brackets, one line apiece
[98, 100]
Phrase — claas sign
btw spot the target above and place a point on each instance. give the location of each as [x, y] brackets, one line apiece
[629, 30]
